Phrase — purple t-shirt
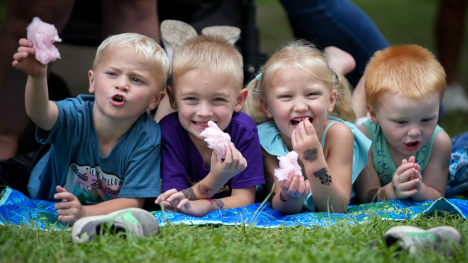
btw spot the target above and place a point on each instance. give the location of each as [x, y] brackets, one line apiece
[182, 165]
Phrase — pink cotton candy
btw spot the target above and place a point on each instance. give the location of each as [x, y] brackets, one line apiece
[43, 36]
[217, 140]
[288, 165]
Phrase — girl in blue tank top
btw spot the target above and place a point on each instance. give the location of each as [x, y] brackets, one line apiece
[300, 103]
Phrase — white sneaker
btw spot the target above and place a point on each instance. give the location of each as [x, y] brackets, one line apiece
[230, 33]
[411, 238]
[174, 34]
[455, 98]
[134, 221]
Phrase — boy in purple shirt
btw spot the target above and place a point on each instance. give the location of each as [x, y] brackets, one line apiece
[207, 85]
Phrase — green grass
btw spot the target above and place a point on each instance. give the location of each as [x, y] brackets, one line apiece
[178, 243]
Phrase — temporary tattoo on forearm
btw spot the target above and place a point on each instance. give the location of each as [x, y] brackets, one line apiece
[324, 177]
[311, 155]
[282, 197]
[382, 194]
[219, 203]
[190, 194]
[211, 203]
[372, 195]
[203, 189]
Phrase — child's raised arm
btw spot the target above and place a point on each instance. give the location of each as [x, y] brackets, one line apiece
[42, 112]
[330, 176]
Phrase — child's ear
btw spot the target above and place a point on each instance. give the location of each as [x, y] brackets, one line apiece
[170, 93]
[240, 100]
[265, 108]
[157, 99]
[333, 97]
[373, 115]
[91, 81]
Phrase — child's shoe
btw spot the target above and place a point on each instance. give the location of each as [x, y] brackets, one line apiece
[174, 34]
[440, 238]
[230, 33]
[130, 220]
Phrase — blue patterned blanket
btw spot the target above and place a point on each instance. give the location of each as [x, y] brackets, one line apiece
[17, 209]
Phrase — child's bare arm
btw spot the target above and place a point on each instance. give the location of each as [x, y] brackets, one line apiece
[220, 173]
[239, 197]
[329, 176]
[288, 196]
[367, 185]
[434, 178]
[70, 209]
[42, 112]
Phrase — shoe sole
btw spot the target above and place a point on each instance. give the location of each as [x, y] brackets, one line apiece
[78, 225]
[229, 33]
[176, 33]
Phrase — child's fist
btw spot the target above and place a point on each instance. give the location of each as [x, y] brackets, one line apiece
[233, 164]
[25, 60]
[403, 182]
[305, 142]
[295, 186]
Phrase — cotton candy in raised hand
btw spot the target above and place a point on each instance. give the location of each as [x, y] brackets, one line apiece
[288, 165]
[43, 35]
[217, 140]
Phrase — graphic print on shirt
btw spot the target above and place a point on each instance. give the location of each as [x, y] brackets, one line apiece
[91, 185]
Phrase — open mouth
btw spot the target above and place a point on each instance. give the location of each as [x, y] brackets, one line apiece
[203, 124]
[296, 121]
[411, 146]
[118, 99]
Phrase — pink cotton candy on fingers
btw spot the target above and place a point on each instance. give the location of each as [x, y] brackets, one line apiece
[217, 140]
[288, 165]
[43, 36]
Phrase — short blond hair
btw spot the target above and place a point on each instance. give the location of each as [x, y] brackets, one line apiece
[299, 54]
[143, 45]
[211, 54]
[407, 70]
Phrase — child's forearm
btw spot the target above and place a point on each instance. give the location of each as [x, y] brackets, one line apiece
[112, 205]
[328, 195]
[42, 112]
[427, 193]
[206, 188]
[287, 204]
[204, 206]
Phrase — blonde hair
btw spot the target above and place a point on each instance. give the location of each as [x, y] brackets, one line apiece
[299, 54]
[209, 53]
[143, 45]
[407, 70]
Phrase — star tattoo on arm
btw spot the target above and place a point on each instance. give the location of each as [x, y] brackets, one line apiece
[203, 189]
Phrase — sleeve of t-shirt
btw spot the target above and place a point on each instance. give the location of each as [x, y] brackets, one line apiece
[249, 146]
[173, 171]
[71, 121]
[142, 177]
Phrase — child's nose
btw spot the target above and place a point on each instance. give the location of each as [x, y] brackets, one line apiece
[414, 131]
[204, 109]
[122, 84]
[300, 106]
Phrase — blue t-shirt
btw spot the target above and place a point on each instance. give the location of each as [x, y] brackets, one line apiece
[183, 166]
[131, 170]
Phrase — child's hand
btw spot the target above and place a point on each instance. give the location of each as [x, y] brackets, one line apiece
[231, 166]
[25, 60]
[175, 201]
[406, 181]
[305, 142]
[295, 186]
[70, 209]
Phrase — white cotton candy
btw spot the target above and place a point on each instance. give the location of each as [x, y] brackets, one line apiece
[43, 36]
[217, 140]
[288, 165]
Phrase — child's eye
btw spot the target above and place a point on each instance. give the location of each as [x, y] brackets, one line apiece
[401, 122]
[111, 73]
[191, 99]
[427, 120]
[137, 80]
[219, 99]
[285, 96]
[312, 94]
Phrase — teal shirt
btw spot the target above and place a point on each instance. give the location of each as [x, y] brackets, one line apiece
[272, 143]
[382, 159]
